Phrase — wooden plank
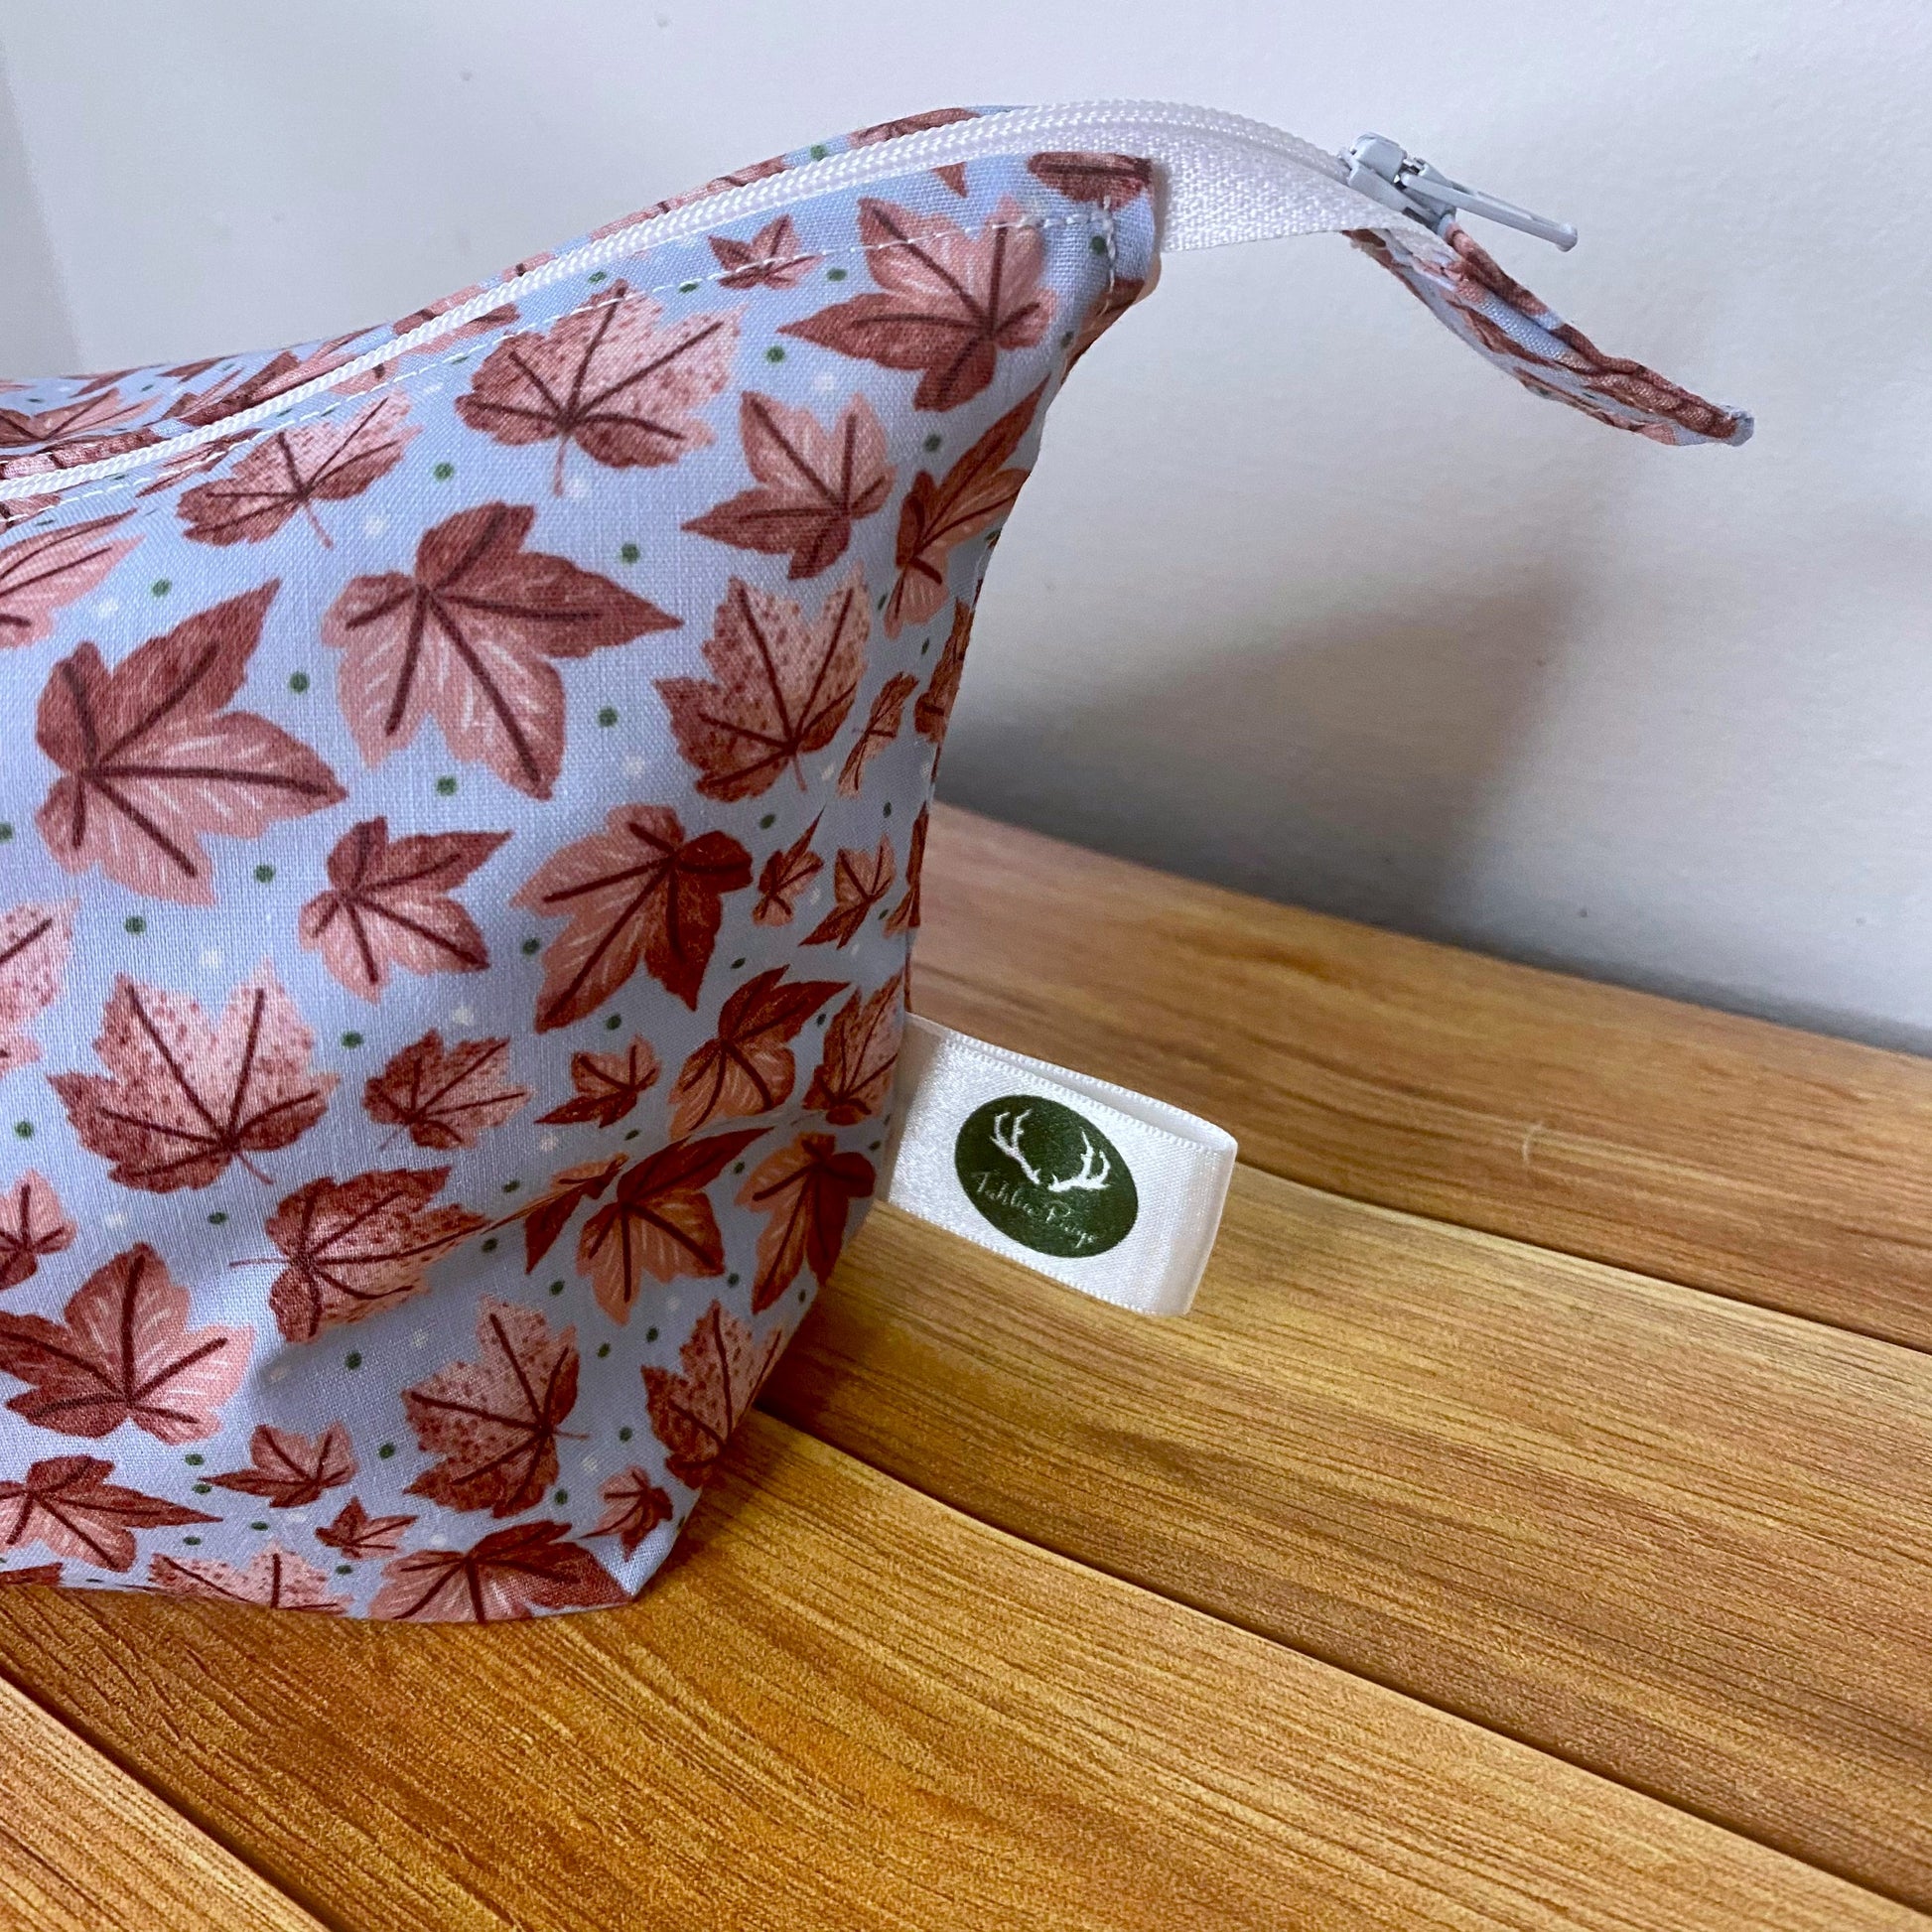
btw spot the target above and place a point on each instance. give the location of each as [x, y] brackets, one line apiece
[1765, 1164]
[846, 1707]
[1678, 1538]
[83, 1848]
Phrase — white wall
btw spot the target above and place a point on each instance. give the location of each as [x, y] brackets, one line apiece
[1303, 597]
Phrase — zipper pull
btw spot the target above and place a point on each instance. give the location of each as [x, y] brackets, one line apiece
[1380, 168]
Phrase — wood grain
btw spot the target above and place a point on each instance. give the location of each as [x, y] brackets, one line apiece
[1774, 1165]
[1680, 1540]
[83, 1848]
[846, 1707]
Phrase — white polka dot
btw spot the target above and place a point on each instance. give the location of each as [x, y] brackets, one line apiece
[824, 382]
[429, 389]
[589, 1465]
[108, 606]
[548, 1145]
[577, 489]
[636, 768]
[279, 1373]
[670, 1305]
[373, 527]
[211, 958]
[420, 1338]
[462, 1016]
[437, 1542]
[296, 1516]
[113, 1221]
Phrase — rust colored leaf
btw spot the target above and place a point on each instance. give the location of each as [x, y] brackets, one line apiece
[612, 377]
[772, 259]
[183, 1098]
[933, 711]
[33, 1223]
[357, 1246]
[947, 302]
[509, 1574]
[153, 760]
[882, 727]
[388, 904]
[41, 575]
[46, 1575]
[294, 471]
[1109, 181]
[608, 1085]
[780, 686]
[570, 1187]
[67, 1505]
[693, 1413]
[290, 1470]
[359, 1536]
[860, 879]
[637, 893]
[444, 1097]
[813, 482]
[746, 1067]
[807, 1189]
[273, 1581]
[35, 940]
[936, 517]
[855, 1073]
[276, 378]
[634, 1507]
[659, 1223]
[495, 1422]
[905, 917]
[123, 1352]
[953, 174]
[784, 877]
[467, 640]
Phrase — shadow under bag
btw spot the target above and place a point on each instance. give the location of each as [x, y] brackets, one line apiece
[459, 840]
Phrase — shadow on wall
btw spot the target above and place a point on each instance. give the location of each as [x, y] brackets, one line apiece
[1351, 771]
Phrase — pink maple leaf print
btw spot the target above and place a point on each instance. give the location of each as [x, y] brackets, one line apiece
[807, 1189]
[880, 728]
[860, 879]
[694, 1414]
[32, 1224]
[444, 1097]
[294, 471]
[772, 259]
[781, 685]
[124, 1352]
[613, 378]
[388, 904]
[953, 174]
[184, 1097]
[947, 302]
[273, 1581]
[152, 760]
[289, 1470]
[634, 1506]
[357, 1535]
[510, 1575]
[468, 639]
[43, 574]
[66, 1504]
[812, 483]
[784, 876]
[34, 943]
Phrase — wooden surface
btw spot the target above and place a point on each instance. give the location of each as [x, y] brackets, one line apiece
[1423, 1577]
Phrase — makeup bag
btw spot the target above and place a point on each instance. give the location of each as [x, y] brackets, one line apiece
[460, 843]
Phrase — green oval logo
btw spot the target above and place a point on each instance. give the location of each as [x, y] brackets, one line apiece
[1046, 1177]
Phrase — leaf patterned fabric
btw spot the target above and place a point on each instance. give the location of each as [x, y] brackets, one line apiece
[459, 849]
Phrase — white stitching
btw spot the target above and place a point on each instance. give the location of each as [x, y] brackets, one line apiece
[1098, 220]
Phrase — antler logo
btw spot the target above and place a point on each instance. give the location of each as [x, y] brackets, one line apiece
[1046, 1177]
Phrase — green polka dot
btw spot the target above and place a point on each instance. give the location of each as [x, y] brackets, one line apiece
[1098, 243]
[685, 288]
[629, 553]
[194, 1458]
[730, 1280]
[926, 645]
[446, 787]
[801, 1294]
[607, 716]
[490, 1246]
[386, 1450]
[161, 586]
[5, 832]
[633, 1135]
[531, 946]
[821, 1018]
[739, 1168]
[352, 1040]
[218, 1219]
[136, 925]
[614, 1023]
[562, 1497]
[737, 963]
[510, 1186]
[602, 1349]
[623, 1435]
[193, 1540]
[1066, 341]
[889, 808]
[299, 682]
[767, 821]
[345, 1570]
[835, 275]
[774, 353]
[873, 1147]
[932, 442]
[596, 276]
[264, 874]
[25, 1128]
[556, 1288]
[354, 1359]
[204, 1489]
[819, 150]
[444, 472]
[258, 1526]
[651, 1334]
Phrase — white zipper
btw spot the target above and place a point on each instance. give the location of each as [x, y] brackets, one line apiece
[1223, 179]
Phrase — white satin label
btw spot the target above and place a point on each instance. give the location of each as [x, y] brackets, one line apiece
[1101, 1189]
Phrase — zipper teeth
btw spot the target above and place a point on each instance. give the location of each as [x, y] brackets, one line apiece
[1142, 123]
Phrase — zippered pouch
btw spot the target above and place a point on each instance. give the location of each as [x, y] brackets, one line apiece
[461, 846]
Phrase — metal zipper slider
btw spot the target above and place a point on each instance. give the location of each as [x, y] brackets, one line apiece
[1380, 168]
